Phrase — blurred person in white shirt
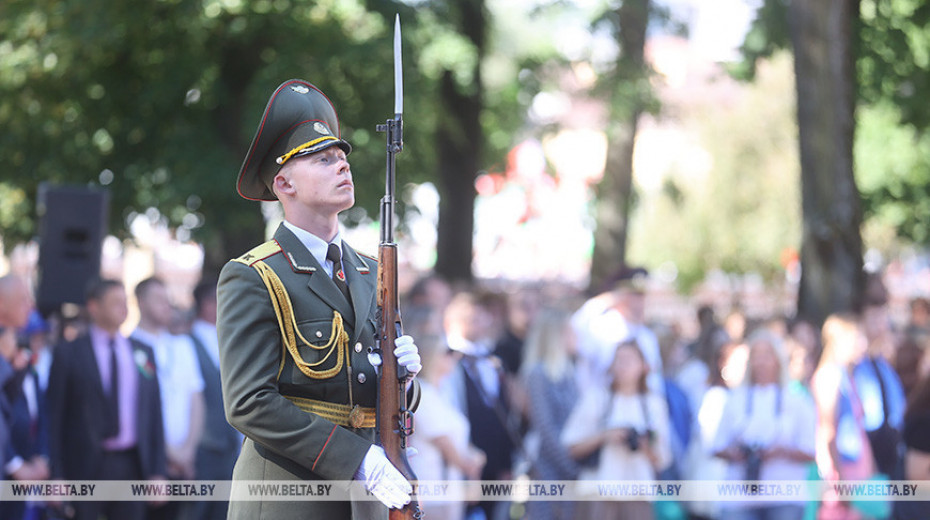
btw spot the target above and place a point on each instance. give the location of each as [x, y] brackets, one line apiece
[612, 316]
[766, 432]
[180, 381]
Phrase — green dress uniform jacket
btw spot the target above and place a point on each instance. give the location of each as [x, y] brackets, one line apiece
[291, 377]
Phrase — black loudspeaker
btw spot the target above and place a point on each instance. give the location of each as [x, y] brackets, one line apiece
[72, 225]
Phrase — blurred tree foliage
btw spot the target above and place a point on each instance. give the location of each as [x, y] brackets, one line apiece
[893, 164]
[482, 60]
[892, 137]
[604, 42]
[893, 174]
[157, 101]
[732, 199]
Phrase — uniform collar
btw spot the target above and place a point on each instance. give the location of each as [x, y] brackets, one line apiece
[360, 274]
[316, 245]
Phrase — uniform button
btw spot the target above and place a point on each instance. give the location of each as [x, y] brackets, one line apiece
[319, 334]
[362, 378]
[358, 347]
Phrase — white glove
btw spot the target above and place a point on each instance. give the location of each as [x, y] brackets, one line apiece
[407, 353]
[383, 480]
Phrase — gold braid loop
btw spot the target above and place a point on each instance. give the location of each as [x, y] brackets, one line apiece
[338, 339]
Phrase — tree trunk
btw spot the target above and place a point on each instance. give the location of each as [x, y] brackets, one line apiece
[615, 192]
[614, 196]
[459, 143]
[822, 34]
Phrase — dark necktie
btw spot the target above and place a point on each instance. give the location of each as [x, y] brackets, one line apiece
[334, 255]
[113, 396]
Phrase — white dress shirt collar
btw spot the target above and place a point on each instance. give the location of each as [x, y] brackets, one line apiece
[316, 245]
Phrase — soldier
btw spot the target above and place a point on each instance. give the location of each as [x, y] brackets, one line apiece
[296, 323]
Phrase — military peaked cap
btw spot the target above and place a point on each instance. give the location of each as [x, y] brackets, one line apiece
[298, 120]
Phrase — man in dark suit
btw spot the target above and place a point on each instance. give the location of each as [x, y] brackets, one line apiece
[104, 406]
[220, 442]
[296, 322]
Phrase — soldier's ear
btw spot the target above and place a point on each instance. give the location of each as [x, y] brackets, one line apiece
[282, 184]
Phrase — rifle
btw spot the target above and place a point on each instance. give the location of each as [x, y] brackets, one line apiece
[395, 421]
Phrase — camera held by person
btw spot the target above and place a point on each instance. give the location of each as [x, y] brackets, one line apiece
[635, 438]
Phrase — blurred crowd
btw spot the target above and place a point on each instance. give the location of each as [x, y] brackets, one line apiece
[545, 383]
[525, 381]
[82, 401]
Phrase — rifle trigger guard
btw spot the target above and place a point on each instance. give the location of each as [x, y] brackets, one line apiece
[405, 422]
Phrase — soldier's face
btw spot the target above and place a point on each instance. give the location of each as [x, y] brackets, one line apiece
[321, 181]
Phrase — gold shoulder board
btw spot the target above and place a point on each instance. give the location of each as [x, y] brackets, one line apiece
[258, 253]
